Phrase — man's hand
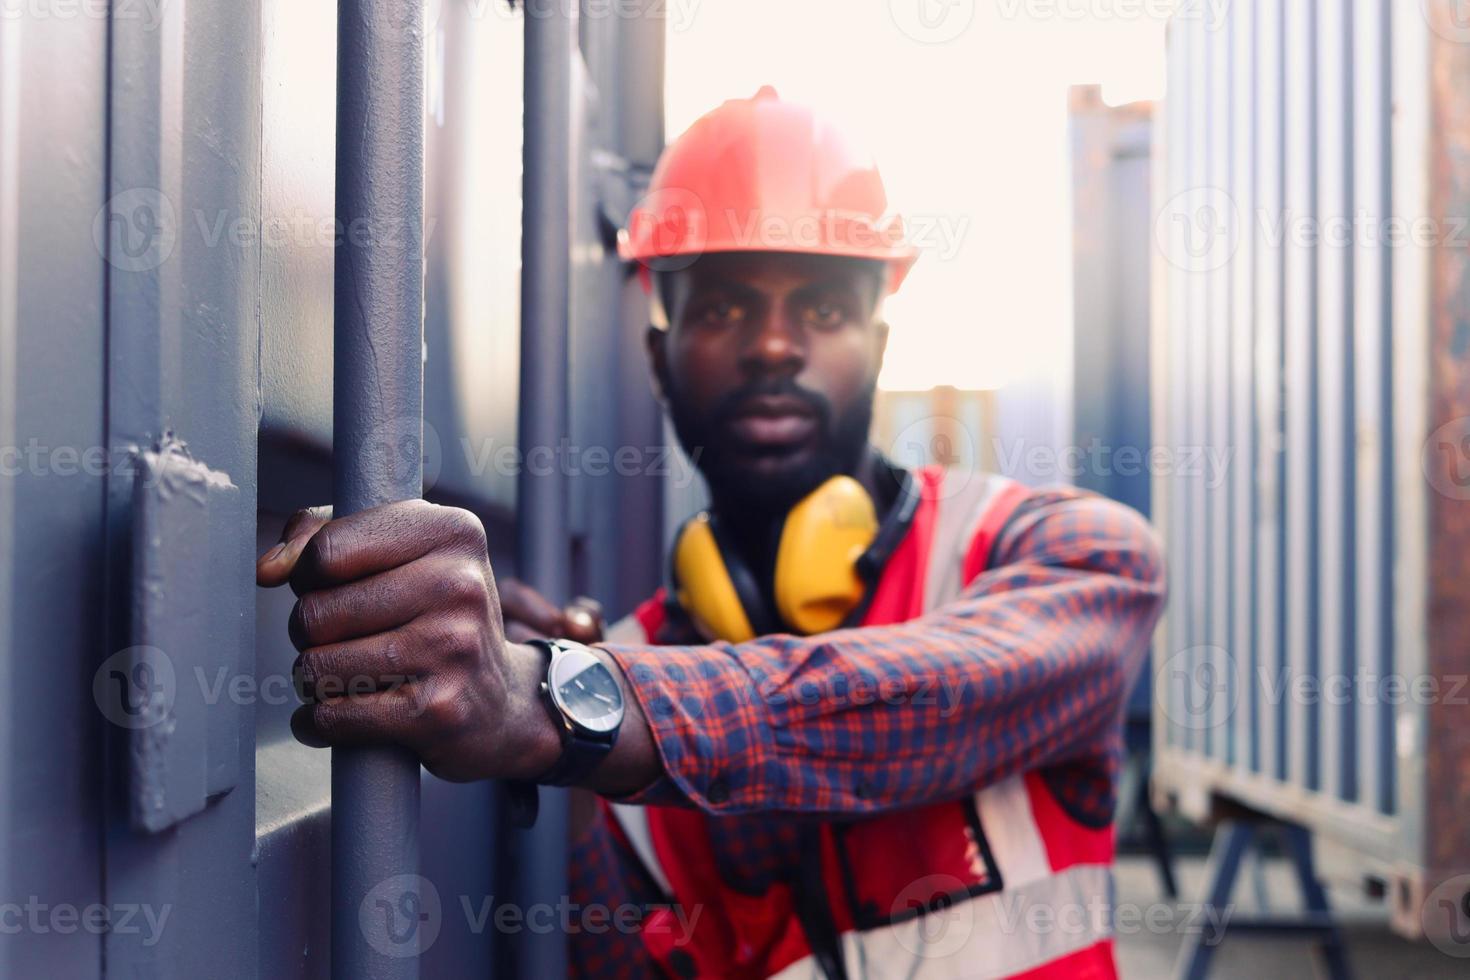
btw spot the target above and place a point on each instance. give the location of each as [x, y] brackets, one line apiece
[402, 641]
[530, 615]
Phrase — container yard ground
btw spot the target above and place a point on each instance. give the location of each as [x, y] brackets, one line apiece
[1375, 951]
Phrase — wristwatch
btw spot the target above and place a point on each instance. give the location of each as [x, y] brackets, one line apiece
[586, 703]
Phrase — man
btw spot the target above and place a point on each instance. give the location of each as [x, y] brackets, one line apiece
[894, 794]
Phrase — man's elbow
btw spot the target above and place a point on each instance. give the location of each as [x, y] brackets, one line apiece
[1134, 557]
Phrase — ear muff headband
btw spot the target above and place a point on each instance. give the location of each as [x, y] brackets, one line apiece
[826, 560]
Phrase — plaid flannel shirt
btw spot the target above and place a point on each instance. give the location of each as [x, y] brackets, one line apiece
[1028, 669]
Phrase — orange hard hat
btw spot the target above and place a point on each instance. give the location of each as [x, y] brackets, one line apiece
[765, 175]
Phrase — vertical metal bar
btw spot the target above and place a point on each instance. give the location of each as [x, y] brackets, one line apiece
[1411, 371]
[10, 74]
[1196, 334]
[1270, 315]
[1297, 842]
[1372, 356]
[1411, 125]
[1243, 725]
[1216, 393]
[377, 406]
[542, 492]
[636, 104]
[1300, 329]
[1335, 489]
[1232, 840]
[1168, 491]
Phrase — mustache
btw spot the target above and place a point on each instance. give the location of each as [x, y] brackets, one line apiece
[726, 408]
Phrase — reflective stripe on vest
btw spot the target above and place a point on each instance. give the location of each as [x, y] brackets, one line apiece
[1036, 896]
[1022, 930]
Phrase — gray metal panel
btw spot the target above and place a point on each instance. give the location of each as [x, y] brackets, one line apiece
[1195, 337]
[292, 782]
[1111, 239]
[1215, 393]
[1300, 338]
[471, 238]
[1338, 111]
[215, 316]
[1242, 709]
[621, 108]
[1372, 389]
[473, 222]
[1409, 303]
[183, 349]
[183, 738]
[1171, 728]
[10, 235]
[1130, 185]
[1270, 310]
[53, 74]
[1111, 231]
[298, 126]
[1335, 471]
[543, 545]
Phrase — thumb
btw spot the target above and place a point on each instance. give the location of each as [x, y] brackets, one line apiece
[275, 566]
[583, 620]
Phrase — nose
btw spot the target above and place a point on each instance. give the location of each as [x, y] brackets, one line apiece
[775, 347]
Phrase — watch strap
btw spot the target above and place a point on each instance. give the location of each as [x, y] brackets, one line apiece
[579, 757]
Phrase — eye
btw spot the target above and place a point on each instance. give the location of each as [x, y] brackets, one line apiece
[721, 312]
[826, 314]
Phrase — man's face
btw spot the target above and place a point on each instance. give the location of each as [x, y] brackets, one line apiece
[768, 369]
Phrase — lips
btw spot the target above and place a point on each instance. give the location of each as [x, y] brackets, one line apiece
[773, 422]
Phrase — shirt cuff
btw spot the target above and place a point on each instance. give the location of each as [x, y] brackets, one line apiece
[709, 723]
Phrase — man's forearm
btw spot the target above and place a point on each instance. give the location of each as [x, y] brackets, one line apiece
[1028, 669]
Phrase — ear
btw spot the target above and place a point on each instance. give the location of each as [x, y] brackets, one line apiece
[882, 341]
[655, 344]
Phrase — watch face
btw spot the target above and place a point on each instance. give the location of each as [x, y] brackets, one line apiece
[585, 690]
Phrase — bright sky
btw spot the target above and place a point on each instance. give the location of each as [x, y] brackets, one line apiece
[964, 103]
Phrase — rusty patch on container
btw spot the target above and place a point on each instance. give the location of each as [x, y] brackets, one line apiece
[1447, 786]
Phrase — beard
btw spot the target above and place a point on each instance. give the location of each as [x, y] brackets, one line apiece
[729, 468]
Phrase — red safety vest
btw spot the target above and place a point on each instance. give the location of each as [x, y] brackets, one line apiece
[1001, 884]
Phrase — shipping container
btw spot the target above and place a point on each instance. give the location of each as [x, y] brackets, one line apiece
[1311, 407]
[169, 183]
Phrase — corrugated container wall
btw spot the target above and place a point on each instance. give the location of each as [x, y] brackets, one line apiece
[167, 236]
[1312, 396]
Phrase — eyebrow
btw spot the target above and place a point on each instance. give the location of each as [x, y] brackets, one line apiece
[813, 289]
[722, 283]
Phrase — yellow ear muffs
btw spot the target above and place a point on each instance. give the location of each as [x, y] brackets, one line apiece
[817, 583]
[703, 585]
